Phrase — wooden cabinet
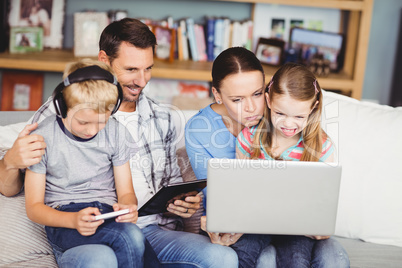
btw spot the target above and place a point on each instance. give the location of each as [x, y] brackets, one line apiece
[356, 20]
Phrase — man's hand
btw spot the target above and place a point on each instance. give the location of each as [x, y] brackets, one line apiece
[27, 150]
[223, 239]
[187, 207]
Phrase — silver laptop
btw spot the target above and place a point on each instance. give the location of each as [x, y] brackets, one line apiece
[272, 197]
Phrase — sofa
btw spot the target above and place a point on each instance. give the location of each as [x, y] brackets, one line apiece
[368, 138]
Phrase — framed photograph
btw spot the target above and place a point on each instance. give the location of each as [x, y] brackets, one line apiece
[270, 51]
[26, 39]
[88, 27]
[21, 91]
[311, 44]
[48, 14]
[278, 28]
[166, 40]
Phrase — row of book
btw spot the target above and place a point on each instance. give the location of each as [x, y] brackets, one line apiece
[205, 41]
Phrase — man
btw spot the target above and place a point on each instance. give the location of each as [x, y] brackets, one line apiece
[128, 47]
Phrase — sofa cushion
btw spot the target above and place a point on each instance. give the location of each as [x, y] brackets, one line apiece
[192, 224]
[369, 144]
[370, 255]
[23, 243]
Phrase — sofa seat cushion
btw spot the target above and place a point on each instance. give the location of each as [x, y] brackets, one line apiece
[370, 255]
[23, 243]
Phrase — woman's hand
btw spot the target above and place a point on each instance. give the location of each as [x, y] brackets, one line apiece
[223, 239]
[318, 237]
[187, 207]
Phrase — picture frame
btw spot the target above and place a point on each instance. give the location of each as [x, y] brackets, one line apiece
[26, 39]
[310, 44]
[21, 91]
[166, 42]
[48, 14]
[270, 51]
[88, 27]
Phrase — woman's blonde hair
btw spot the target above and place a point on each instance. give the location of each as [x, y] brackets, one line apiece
[99, 95]
[299, 83]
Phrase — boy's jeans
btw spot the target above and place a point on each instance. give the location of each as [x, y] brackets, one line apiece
[126, 239]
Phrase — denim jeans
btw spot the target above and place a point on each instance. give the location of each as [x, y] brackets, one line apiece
[125, 239]
[301, 251]
[249, 248]
[182, 249]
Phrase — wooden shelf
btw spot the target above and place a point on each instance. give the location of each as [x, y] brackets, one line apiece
[349, 80]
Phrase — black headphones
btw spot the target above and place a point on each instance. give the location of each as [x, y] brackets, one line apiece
[92, 72]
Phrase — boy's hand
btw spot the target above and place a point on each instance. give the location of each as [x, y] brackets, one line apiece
[85, 221]
[132, 216]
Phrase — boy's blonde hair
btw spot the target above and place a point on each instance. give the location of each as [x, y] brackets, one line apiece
[99, 95]
[299, 83]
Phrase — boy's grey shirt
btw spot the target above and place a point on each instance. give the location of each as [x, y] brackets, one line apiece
[80, 170]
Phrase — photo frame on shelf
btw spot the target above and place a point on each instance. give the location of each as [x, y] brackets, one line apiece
[26, 39]
[21, 91]
[311, 44]
[48, 14]
[88, 27]
[166, 41]
[270, 51]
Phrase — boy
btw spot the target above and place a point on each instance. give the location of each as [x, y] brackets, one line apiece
[85, 170]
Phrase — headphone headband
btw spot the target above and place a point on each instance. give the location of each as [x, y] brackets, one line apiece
[92, 72]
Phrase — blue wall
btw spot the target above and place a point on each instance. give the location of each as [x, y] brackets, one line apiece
[382, 50]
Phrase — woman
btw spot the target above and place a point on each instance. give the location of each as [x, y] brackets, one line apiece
[238, 84]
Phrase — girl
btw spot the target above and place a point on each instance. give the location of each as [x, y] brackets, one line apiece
[290, 130]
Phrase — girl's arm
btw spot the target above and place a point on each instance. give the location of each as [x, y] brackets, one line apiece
[37, 211]
[126, 197]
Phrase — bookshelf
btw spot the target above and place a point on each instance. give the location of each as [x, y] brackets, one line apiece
[356, 16]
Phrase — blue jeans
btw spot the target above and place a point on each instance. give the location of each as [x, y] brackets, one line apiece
[182, 249]
[301, 251]
[125, 239]
[249, 248]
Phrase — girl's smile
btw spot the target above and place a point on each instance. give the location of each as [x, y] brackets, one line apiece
[289, 116]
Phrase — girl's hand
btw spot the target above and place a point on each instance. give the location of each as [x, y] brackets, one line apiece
[318, 237]
[223, 239]
[85, 221]
[132, 216]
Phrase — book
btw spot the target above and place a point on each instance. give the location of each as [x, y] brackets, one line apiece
[191, 39]
[210, 30]
[200, 39]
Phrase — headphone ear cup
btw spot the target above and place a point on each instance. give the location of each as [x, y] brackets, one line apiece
[119, 98]
[58, 101]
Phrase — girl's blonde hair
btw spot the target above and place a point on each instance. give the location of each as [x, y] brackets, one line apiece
[99, 95]
[299, 83]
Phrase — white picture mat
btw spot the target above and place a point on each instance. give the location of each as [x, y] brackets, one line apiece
[55, 40]
[264, 13]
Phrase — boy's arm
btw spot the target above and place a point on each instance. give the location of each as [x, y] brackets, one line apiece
[126, 197]
[37, 211]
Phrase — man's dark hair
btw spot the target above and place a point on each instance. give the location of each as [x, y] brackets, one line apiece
[128, 30]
